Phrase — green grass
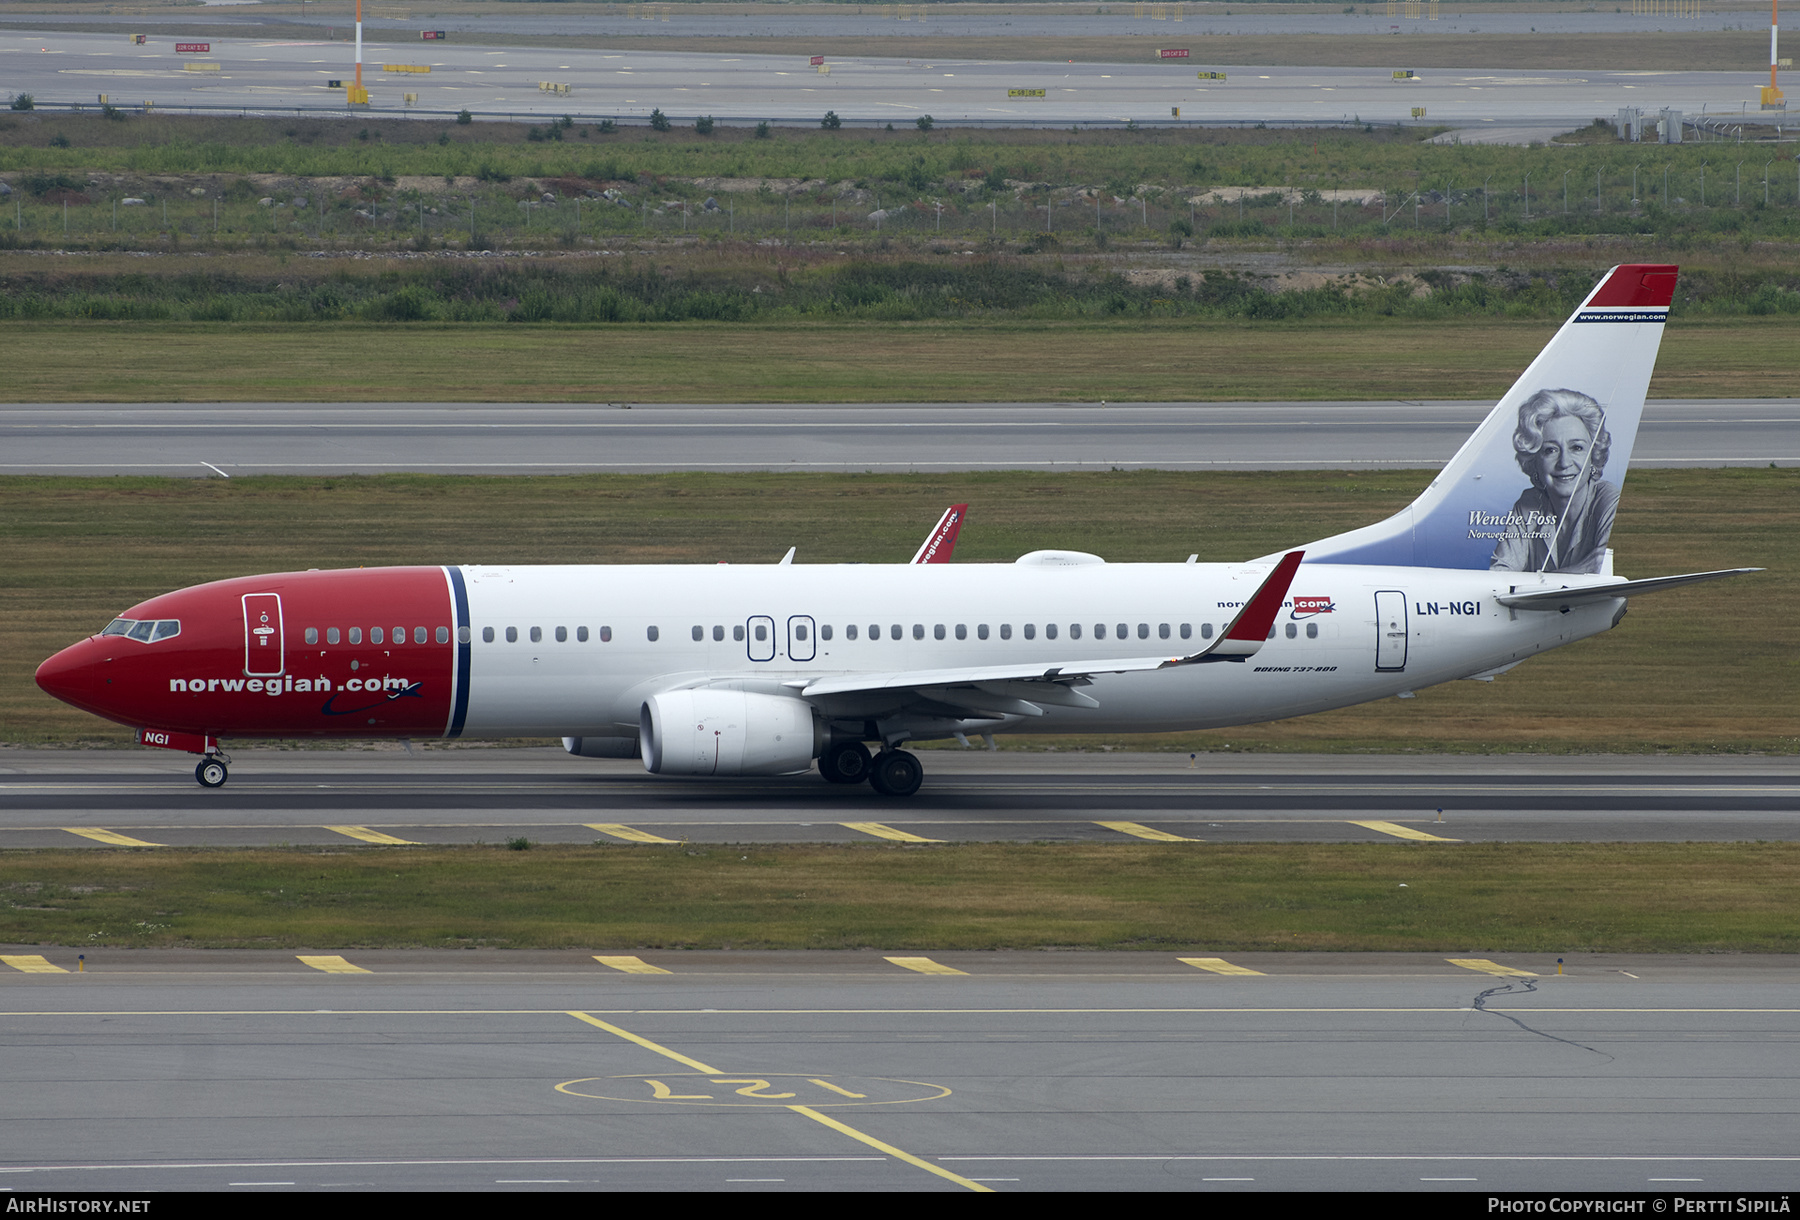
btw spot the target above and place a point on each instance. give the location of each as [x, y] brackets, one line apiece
[1154, 360]
[1516, 898]
[1711, 668]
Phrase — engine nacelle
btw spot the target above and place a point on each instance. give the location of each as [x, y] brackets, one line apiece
[728, 732]
[602, 747]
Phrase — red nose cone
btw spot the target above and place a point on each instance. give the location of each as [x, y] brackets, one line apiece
[73, 675]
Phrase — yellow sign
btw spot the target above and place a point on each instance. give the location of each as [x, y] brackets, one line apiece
[1403, 74]
[1210, 75]
[406, 67]
[1024, 93]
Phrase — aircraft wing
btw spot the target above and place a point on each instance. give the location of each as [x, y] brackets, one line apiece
[940, 544]
[1579, 595]
[1017, 689]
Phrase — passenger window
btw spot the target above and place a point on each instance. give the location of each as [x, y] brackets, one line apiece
[850, 632]
[1031, 631]
[487, 635]
[1144, 631]
[1125, 634]
[1187, 631]
[1049, 631]
[699, 633]
[1006, 631]
[937, 632]
[418, 635]
[442, 634]
[981, 632]
[331, 635]
[376, 636]
[462, 635]
[718, 632]
[537, 635]
[651, 633]
[1292, 631]
[1162, 631]
[312, 635]
[825, 632]
[962, 632]
[1099, 631]
[737, 633]
[1206, 631]
[606, 635]
[1312, 631]
[918, 631]
[562, 635]
[512, 635]
[581, 635]
[762, 632]
[799, 631]
[896, 631]
[399, 635]
[356, 635]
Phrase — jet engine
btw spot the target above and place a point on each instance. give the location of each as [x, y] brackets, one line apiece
[728, 732]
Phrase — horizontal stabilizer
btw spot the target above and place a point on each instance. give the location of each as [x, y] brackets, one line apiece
[1581, 595]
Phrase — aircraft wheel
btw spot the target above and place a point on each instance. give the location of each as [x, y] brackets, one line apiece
[896, 773]
[211, 773]
[845, 764]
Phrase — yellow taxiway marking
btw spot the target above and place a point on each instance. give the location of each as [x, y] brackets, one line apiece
[331, 964]
[892, 1151]
[1403, 832]
[108, 836]
[924, 965]
[648, 1045]
[630, 965]
[1486, 967]
[808, 1111]
[1144, 832]
[887, 832]
[371, 836]
[31, 963]
[1216, 965]
[629, 834]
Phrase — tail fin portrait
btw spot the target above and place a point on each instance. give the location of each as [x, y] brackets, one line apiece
[1535, 488]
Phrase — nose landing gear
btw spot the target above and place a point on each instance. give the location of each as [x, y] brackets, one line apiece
[212, 772]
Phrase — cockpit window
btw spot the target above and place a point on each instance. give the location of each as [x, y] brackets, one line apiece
[147, 631]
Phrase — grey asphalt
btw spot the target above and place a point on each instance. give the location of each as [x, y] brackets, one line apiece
[495, 1071]
[283, 74]
[59, 798]
[525, 438]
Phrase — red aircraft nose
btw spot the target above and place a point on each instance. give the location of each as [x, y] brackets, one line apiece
[75, 676]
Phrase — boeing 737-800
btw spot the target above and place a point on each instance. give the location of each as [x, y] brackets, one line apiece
[736, 670]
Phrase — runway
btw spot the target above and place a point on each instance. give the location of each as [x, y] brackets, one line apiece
[95, 799]
[239, 439]
[486, 1071]
[269, 76]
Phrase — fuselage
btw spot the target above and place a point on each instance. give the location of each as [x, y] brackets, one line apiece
[574, 652]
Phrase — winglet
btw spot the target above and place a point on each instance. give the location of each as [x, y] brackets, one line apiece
[940, 544]
[1251, 628]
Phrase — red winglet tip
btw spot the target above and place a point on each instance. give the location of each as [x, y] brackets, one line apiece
[1259, 616]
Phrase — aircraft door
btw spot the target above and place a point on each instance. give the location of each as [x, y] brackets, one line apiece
[801, 644]
[760, 637]
[1390, 631]
[264, 643]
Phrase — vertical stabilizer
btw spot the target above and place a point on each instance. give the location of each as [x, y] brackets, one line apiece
[1535, 488]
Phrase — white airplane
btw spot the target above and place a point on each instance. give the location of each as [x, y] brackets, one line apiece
[734, 670]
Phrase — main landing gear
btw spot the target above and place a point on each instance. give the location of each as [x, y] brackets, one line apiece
[891, 772]
[212, 772]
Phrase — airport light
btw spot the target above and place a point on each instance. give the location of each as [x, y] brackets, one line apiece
[1766, 165]
[1566, 174]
